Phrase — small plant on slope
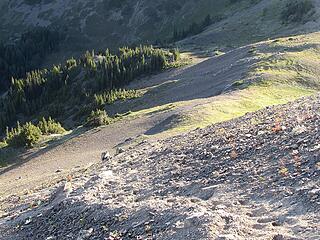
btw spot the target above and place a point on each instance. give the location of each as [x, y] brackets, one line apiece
[50, 126]
[98, 118]
[23, 136]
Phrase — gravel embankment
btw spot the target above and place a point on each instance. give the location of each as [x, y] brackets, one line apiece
[256, 177]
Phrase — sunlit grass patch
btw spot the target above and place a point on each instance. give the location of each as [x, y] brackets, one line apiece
[229, 106]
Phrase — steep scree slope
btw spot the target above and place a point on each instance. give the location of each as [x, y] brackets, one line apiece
[255, 177]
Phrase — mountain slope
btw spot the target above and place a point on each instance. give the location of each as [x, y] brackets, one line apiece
[259, 21]
[210, 91]
[255, 177]
[110, 24]
[102, 24]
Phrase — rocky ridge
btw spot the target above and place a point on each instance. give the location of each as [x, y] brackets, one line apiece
[255, 177]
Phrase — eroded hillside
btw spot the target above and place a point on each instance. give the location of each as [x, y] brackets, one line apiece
[256, 177]
[196, 147]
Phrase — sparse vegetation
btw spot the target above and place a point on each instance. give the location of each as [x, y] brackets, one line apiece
[29, 134]
[50, 126]
[98, 118]
[50, 92]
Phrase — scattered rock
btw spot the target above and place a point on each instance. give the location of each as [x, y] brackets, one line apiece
[211, 183]
[298, 130]
[105, 156]
[85, 234]
[120, 150]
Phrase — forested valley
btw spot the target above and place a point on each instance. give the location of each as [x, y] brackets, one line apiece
[19, 56]
[80, 85]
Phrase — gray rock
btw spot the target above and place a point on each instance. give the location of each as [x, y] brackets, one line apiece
[105, 156]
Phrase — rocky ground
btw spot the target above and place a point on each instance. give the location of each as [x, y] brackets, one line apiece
[256, 177]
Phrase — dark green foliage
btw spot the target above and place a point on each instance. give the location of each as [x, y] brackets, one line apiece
[296, 10]
[234, 1]
[65, 87]
[111, 96]
[26, 54]
[23, 136]
[98, 118]
[194, 28]
[176, 54]
[50, 126]
[29, 134]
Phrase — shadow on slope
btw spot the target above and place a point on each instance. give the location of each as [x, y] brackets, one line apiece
[26, 155]
[205, 79]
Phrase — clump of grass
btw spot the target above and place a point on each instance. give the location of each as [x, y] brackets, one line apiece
[181, 60]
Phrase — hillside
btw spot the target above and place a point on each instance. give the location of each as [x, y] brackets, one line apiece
[255, 177]
[102, 24]
[111, 24]
[179, 100]
[212, 132]
[38, 34]
[261, 20]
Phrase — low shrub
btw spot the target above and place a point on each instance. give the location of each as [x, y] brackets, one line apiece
[23, 136]
[29, 134]
[98, 118]
[50, 126]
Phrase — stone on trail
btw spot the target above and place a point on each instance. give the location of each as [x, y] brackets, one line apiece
[105, 156]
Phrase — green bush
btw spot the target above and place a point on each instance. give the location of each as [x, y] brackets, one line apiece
[50, 126]
[111, 96]
[29, 134]
[26, 136]
[295, 11]
[98, 118]
[69, 85]
[176, 54]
